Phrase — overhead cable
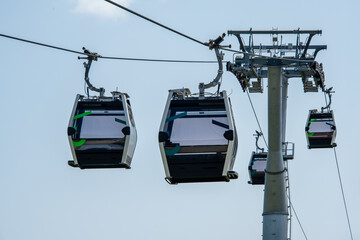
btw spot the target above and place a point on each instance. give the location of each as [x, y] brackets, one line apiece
[159, 24]
[297, 218]
[105, 57]
[292, 208]
[195, 40]
[328, 91]
[42, 44]
[158, 60]
[257, 120]
[343, 195]
[140, 59]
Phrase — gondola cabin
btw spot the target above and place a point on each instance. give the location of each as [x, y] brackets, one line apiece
[320, 129]
[258, 161]
[102, 132]
[257, 166]
[197, 139]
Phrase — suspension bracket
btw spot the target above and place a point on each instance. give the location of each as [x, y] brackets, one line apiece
[214, 45]
[91, 56]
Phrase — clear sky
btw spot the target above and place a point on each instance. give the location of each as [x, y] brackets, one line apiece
[43, 198]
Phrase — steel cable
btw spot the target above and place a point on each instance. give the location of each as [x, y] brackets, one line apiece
[152, 21]
[105, 57]
[343, 195]
[42, 44]
[297, 218]
[257, 120]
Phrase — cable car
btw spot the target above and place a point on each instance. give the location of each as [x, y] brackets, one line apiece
[197, 138]
[258, 160]
[102, 132]
[257, 166]
[320, 129]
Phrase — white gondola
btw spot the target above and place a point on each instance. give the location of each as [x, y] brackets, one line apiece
[197, 138]
[102, 132]
[320, 129]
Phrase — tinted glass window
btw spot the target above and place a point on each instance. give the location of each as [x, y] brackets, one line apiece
[259, 166]
[196, 128]
[321, 125]
[102, 124]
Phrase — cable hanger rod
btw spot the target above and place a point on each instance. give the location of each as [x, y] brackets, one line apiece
[159, 24]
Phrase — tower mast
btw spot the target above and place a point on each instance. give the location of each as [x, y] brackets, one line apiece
[251, 63]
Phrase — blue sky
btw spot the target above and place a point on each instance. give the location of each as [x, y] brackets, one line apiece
[43, 198]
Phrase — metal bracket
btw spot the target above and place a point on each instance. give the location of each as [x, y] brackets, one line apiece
[275, 173]
[214, 45]
[257, 135]
[91, 56]
[288, 149]
[318, 74]
[252, 63]
[329, 94]
[180, 93]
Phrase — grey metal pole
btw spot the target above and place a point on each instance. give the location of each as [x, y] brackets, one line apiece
[284, 96]
[284, 89]
[275, 214]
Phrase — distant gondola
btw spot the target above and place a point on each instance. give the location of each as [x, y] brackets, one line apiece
[197, 138]
[102, 132]
[320, 129]
[258, 161]
[257, 166]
